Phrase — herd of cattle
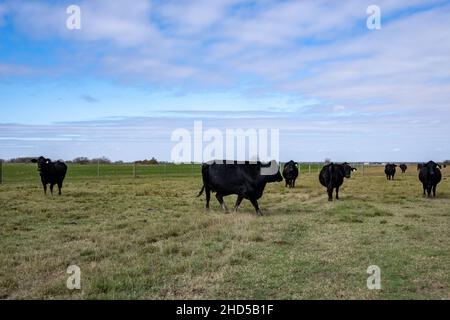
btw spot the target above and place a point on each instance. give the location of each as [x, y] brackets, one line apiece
[248, 180]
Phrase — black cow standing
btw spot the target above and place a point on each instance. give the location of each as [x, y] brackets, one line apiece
[430, 176]
[403, 167]
[332, 177]
[290, 173]
[51, 173]
[245, 179]
[389, 170]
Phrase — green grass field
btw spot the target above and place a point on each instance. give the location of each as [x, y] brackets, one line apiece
[16, 173]
[149, 238]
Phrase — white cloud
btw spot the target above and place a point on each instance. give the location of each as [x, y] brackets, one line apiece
[319, 50]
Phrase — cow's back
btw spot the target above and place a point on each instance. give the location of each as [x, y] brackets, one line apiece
[232, 178]
[55, 173]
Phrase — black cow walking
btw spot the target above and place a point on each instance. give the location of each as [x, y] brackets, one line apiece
[290, 173]
[403, 167]
[51, 173]
[389, 170]
[245, 179]
[430, 176]
[332, 177]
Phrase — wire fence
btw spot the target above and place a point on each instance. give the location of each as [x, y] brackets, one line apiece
[21, 172]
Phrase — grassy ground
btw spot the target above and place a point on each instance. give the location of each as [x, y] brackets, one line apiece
[149, 238]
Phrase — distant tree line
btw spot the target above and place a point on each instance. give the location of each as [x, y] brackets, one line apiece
[151, 161]
[84, 160]
[21, 160]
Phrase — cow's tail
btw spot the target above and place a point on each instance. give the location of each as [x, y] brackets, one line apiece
[201, 191]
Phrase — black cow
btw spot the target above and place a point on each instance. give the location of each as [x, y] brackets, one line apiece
[430, 176]
[332, 177]
[389, 170]
[419, 166]
[403, 167]
[51, 173]
[245, 179]
[290, 173]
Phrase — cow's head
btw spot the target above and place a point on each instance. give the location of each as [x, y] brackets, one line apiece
[431, 167]
[291, 164]
[347, 170]
[41, 162]
[271, 172]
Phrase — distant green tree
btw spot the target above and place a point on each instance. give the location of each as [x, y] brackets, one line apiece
[102, 160]
[81, 160]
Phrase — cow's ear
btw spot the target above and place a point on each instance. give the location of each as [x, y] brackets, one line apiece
[34, 160]
[296, 164]
[354, 169]
[48, 160]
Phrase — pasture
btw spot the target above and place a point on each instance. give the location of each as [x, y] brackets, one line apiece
[149, 238]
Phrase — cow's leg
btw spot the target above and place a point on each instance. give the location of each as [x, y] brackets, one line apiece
[238, 203]
[429, 191]
[208, 198]
[45, 187]
[219, 198]
[256, 206]
[434, 190]
[59, 188]
[51, 187]
[337, 193]
[424, 189]
[287, 183]
[330, 193]
[293, 183]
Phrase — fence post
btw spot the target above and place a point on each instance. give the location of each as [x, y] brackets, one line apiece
[98, 168]
[363, 169]
[1, 171]
[309, 168]
[134, 169]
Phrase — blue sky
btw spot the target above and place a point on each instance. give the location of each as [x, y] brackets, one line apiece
[134, 73]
